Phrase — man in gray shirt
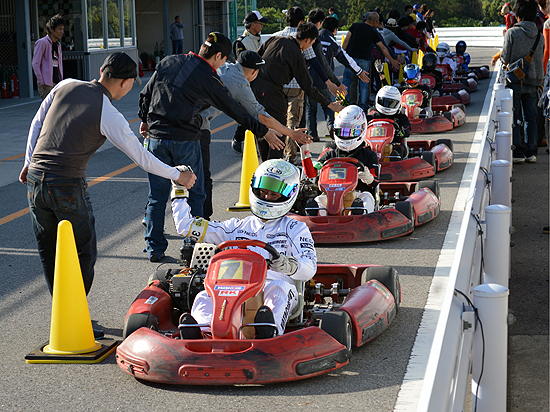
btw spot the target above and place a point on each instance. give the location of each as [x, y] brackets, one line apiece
[237, 78]
[176, 35]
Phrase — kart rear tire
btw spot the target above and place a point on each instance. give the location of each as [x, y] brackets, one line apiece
[429, 157]
[161, 274]
[338, 325]
[139, 320]
[432, 185]
[387, 276]
[446, 142]
[406, 209]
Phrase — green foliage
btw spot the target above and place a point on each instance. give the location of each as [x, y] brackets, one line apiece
[277, 20]
[460, 22]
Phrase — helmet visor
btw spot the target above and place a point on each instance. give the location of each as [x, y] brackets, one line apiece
[348, 132]
[275, 185]
[389, 102]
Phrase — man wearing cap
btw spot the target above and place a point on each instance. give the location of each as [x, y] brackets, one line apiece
[73, 121]
[249, 40]
[237, 78]
[170, 106]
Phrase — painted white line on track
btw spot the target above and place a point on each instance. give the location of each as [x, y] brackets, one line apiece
[409, 394]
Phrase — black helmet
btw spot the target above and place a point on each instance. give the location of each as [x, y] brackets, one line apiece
[460, 47]
[429, 61]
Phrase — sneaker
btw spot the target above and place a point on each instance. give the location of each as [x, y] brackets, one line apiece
[155, 257]
[189, 332]
[237, 146]
[531, 159]
[357, 203]
[264, 315]
[98, 334]
[546, 229]
[144, 221]
[315, 138]
[518, 160]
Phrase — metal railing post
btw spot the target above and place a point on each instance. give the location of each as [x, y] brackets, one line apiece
[489, 362]
[501, 185]
[503, 142]
[497, 245]
[505, 121]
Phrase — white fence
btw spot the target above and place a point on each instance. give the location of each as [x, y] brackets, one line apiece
[475, 252]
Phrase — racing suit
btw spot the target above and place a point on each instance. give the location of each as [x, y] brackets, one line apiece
[364, 190]
[450, 62]
[288, 236]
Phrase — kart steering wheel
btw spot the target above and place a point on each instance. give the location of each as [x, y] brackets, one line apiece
[243, 244]
[357, 163]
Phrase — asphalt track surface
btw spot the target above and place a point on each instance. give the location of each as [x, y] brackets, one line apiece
[370, 382]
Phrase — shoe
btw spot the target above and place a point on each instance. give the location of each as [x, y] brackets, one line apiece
[237, 146]
[357, 203]
[189, 332]
[155, 258]
[98, 334]
[518, 160]
[531, 159]
[546, 229]
[144, 221]
[315, 138]
[264, 315]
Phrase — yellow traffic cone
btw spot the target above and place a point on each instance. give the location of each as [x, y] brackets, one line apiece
[414, 58]
[400, 76]
[249, 166]
[436, 41]
[420, 57]
[71, 333]
[387, 73]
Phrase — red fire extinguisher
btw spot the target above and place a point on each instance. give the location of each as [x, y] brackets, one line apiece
[14, 85]
[4, 84]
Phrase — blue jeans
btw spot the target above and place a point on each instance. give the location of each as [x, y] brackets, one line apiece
[54, 198]
[177, 46]
[311, 114]
[363, 87]
[525, 112]
[173, 153]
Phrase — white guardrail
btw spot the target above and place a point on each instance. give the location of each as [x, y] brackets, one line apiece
[473, 272]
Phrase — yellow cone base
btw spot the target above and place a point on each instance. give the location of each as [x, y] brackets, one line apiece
[106, 347]
[237, 207]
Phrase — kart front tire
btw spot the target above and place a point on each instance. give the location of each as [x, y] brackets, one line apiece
[406, 209]
[446, 142]
[432, 185]
[338, 325]
[139, 320]
[387, 276]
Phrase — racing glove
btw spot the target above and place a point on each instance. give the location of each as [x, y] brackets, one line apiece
[284, 264]
[178, 191]
[366, 176]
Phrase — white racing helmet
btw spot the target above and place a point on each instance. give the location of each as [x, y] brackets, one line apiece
[442, 50]
[278, 176]
[388, 100]
[350, 128]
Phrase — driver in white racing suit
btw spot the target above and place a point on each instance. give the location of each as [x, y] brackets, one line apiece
[273, 191]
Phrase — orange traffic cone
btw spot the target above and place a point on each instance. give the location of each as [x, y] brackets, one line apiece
[249, 166]
[71, 333]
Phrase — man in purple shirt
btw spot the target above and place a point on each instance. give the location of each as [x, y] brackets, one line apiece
[47, 59]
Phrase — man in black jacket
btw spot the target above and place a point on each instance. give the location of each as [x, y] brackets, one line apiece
[170, 106]
[284, 61]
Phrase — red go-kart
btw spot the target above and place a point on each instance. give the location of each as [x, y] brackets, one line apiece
[456, 83]
[480, 72]
[446, 102]
[400, 206]
[425, 157]
[411, 100]
[342, 306]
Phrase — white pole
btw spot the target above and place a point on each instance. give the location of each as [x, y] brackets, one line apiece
[489, 363]
[505, 121]
[507, 104]
[503, 142]
[497, 244]
[501, 185]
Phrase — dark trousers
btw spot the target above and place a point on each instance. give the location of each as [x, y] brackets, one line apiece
[207, 208]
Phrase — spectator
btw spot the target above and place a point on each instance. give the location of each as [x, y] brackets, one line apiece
[421, 12]
[249, 40]
[359, 43]
[47, 61]
[408, 10]
[332, 13]
[170, 105]
[73, 121]
[542, 14]
[176, 35]
[518, 41]
[509, 17]
[388, 32]
[428, 18]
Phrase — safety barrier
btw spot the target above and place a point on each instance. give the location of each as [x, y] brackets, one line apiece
[473, 272]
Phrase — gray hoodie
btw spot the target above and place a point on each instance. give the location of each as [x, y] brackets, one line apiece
[518, 42]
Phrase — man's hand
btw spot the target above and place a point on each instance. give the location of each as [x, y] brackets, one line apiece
[395, 64]
[335, 107]
[299, 136]
[342, 89]
[284, 264]
[332, 87]
[144, 129]
[401, 59]
[271, 137]
[23, 175]
[187, 177]
[364, 77]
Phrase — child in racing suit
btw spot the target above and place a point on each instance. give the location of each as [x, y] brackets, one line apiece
[429, 61]
[350, 128]
[412, 75]
[388, 106]
[443, 50]
[460, 57]
[274, 189]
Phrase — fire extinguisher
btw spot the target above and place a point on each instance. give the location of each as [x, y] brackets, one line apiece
[4, 80]
[149, 63]
[14, 85]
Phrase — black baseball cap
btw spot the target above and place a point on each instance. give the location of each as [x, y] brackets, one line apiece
[251, 59]
[120, 66]
[254, 16]
[220, 43]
